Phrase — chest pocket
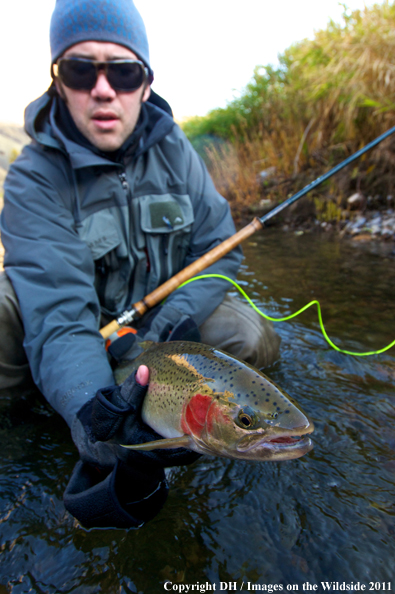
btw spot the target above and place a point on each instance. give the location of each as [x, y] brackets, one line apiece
[166, 223]
[101, 231]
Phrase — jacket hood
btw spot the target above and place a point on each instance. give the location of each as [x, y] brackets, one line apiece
[37, 120]
[41, 126]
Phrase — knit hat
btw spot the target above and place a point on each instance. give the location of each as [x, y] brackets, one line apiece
[115, 21]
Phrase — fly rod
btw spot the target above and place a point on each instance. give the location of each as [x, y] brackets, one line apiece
[157, 295]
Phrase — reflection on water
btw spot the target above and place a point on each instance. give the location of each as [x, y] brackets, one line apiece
[329, 516]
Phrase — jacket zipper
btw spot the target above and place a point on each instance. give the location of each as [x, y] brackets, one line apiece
[163, 258]
[126, 188]
[124, 182]
[164, 253]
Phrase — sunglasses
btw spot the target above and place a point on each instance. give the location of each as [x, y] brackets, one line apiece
[81, 74]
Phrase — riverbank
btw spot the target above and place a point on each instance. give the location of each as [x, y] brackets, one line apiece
[12, 140]
[360, 225]
[367, 226]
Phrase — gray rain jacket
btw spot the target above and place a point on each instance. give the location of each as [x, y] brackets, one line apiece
[85, 235]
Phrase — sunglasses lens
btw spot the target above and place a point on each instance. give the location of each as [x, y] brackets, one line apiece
[78, 74]
[81, 74]
[125, 76]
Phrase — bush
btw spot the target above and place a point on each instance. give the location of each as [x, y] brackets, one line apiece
[327, 98]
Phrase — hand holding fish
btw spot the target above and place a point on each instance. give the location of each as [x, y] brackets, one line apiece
[111, 483]
[199, 400]
[205, 400]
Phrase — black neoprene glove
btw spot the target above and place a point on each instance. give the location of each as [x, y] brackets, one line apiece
[126, 497]
[162, 324]
[112, 485]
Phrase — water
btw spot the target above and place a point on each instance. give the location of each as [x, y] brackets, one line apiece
[329, 516]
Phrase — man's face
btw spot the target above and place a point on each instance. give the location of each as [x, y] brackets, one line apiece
[104, 116]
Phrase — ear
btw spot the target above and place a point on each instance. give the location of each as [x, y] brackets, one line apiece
[146, 94]
[60, 89]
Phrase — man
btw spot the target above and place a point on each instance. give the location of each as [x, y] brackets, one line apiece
[107, 202]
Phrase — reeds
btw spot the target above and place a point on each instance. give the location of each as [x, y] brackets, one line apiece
[327, 98]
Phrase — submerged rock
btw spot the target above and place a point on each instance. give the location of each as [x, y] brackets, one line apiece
[377, 225]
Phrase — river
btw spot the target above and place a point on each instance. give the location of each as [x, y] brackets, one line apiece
[329, 516]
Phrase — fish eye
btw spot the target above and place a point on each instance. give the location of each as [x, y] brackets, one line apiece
[245, 420]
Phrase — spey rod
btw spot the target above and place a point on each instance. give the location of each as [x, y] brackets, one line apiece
[157, 295]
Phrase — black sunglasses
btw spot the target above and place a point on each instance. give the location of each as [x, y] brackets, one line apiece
[81, 74]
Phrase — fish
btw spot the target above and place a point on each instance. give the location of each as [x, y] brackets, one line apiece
[205, 400]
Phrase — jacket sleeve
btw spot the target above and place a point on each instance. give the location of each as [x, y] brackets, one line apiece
[213, 224]
[52, 273]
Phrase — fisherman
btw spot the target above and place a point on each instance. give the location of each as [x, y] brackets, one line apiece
[107, 202]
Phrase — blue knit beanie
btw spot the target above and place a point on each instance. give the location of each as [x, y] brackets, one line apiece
[116, 21]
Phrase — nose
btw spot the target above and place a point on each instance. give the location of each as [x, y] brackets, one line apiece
[102, 89]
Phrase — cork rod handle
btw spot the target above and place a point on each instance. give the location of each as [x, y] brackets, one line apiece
[190, 271]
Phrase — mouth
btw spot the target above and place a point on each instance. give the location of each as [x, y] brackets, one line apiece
[286, 440]
[277, 447]
[290, 443]
[105, 120]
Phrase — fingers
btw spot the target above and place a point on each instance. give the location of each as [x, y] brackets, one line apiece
[142, 375]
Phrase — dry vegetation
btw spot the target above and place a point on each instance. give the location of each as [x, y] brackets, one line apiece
[12, 139]
[329, 97]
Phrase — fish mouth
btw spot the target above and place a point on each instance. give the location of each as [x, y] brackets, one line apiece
[276, 447]
[290, 443]
[288, 440]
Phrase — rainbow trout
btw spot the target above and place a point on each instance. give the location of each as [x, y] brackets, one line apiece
[205, 400]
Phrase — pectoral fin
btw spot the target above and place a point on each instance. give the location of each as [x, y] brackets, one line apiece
[160, 444]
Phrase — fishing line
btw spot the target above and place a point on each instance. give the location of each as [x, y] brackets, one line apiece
[315, 302]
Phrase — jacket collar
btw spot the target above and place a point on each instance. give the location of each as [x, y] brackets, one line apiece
[42, 126]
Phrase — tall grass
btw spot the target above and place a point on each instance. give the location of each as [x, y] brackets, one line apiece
[327, 98]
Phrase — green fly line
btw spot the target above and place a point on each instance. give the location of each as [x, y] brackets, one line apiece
[315, 302]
